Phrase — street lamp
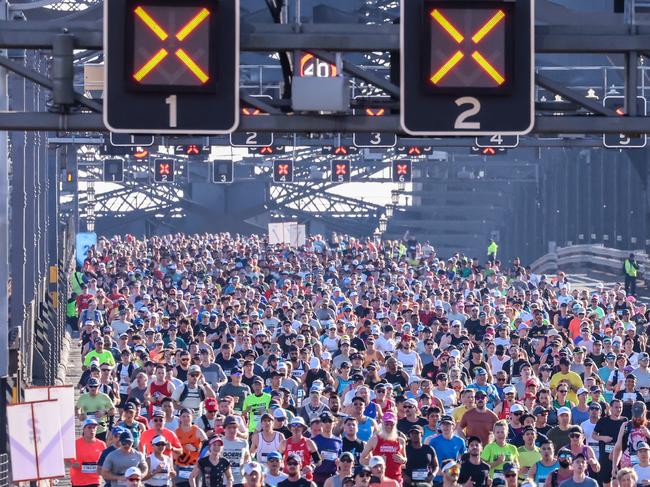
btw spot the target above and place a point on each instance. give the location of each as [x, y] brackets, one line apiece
[394, 197]
[401, 186]
[383, 223]
[389, 211]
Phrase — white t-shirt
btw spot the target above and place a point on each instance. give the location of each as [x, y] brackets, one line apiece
[643, 473]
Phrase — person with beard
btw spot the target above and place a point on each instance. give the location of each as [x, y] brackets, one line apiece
[630, 435]
[472, 468]
[564, 472]
[579, 477]
[478, 421]
[422, 463]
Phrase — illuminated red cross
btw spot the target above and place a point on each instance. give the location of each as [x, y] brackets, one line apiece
[283, 169]
[162, 53]
[478, 36]
[165, 169]
[402, 169]
[341, 169]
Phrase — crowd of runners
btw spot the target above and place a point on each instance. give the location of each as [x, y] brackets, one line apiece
[222, 360]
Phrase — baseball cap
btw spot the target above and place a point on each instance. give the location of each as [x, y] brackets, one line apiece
[194, 369]
[642, 445]
[509, 467]
[126, 437]
[509, 390]
[447, 419]
[229, 420]
[211, 404]
[279, 414]
[582, 390]
[539, 410]
[376, 460]
[132, 472]
[563, 410]
[389, 417]
[92, 382]
[274, 455]
[251, 467]
[159, 439]
[90, 422]
[516, 408]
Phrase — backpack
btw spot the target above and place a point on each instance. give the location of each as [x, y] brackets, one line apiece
[554, 476]
[120, 366]
[186, 390]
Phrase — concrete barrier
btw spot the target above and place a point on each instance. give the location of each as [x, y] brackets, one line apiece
[589, 257]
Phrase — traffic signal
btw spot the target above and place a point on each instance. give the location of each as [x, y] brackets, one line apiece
[340, 171]
[283, 171]
[402, 171]
[222, 171]
[469, 63]
[266, 150]
[339, 150]
[113, 170]
[168, 63]
[163, 170]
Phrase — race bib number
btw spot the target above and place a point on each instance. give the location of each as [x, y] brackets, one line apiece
[420, 474]
[89, 468]
[329, 455]
[609, 448]
[143, 411]
[634, 459]
[184, 472]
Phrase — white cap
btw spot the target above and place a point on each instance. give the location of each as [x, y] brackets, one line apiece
[454, 353]
[376, 460]
[132, 472]
[516, 408]
[582, 390]
[158, 439]
[326, 356]
[251, 467]
[564, 410]
[509, 390]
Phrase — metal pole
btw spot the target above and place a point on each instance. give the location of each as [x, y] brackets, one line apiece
[4, 222]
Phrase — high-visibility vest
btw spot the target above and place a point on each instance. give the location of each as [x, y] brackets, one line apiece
[77, 280]
[71, 309]
[630, 270]
[492, 249]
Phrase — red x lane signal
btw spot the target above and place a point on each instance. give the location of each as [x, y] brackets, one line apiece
[282, 171]
[186, 46]
[402, 171]
[468, 45]
[163, 170]
[340, 171]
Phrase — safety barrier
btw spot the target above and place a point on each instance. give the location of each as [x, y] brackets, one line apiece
[589, 257]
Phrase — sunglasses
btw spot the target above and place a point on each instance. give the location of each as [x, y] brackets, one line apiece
[346, 460]
[363, 475]
[160, 444]
[293, 464]
[563, 391]
[574, 435]
[511, 475]
[157, 420]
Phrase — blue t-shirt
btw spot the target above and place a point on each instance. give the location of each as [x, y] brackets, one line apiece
[451, 448]
[587, 482]
[329, 449]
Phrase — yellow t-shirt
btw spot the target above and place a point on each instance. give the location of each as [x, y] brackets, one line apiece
[106, 357]
[573, 379]
[457, 413]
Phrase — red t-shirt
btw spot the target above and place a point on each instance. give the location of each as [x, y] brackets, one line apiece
[150, 434]
[86, 455]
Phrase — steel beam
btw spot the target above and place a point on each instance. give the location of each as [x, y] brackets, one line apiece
[324, 123]
[336, 37]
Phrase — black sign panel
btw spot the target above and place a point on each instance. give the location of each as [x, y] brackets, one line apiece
[222, 171]
[113, 170]
[402, 171]
[339, 150]
[504, 141]
[163, 170]
[374, 139]
[131, 140]
[340, 171]
[466, 67]
[283, 171]
[624, 141]
[251, 139]
[169, 63]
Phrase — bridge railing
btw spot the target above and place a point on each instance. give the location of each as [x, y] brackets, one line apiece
[594, 257]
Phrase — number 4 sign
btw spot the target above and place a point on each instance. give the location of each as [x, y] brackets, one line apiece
[498, 141]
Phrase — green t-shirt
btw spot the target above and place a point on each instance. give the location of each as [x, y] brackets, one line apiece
[258, 405]
[91, 404]
[106, 357]
[528, 458]
[492, 451]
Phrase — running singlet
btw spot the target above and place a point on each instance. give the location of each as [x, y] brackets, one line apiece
[542, 472]
[386, 449]
[159, 391]
[365, 430]
[265, 447]
[505, 410]
[301, 449]
[188, 438]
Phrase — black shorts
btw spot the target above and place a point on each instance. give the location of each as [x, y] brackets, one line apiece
[604, 476]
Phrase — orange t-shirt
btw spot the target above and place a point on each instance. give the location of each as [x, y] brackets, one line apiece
[87, 455]
[190, 437]
[150, 434]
